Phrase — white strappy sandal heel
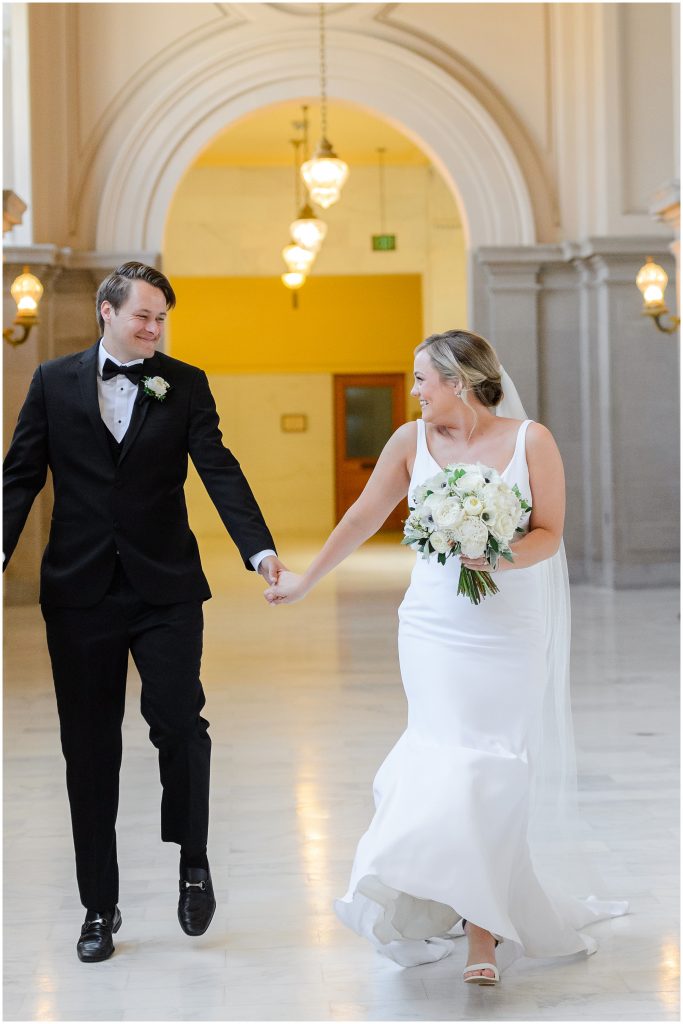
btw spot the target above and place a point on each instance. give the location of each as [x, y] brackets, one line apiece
[481, 979]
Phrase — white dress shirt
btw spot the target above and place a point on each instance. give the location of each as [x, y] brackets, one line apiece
[116, 395]
[116, 398]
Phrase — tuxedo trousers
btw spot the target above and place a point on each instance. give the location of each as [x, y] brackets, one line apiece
[89, 650]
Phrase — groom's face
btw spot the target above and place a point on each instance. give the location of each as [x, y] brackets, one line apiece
[135, 329]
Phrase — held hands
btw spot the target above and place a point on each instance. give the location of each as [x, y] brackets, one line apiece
[289, 588]
[270, 568]
[285, 587]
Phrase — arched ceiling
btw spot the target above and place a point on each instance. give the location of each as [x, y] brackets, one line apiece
[263, 138]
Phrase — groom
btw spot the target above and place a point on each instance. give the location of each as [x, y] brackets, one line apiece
[121, 573]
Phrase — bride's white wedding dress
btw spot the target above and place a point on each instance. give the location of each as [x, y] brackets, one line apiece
[449, 836]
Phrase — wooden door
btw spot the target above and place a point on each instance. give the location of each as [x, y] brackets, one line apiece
[368, 409]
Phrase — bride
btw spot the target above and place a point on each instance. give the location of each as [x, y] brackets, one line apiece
[488, 740]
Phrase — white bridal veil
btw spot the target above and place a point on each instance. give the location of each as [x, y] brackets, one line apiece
[554, 826]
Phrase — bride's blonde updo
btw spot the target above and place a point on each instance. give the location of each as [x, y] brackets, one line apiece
[463, 357]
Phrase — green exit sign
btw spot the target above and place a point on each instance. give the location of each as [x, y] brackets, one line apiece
[383, 243]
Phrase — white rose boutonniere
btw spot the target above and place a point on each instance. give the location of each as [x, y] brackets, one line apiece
[155, 387]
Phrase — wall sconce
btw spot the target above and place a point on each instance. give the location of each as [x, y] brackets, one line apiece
[26, 291]
[652, 280]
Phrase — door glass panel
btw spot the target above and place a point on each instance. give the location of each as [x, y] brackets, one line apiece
[369, 421]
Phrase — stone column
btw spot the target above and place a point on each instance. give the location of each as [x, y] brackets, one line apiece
[630, 374]
[512, 288]
[566, 322]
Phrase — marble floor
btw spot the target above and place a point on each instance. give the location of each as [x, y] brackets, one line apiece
[304, 703]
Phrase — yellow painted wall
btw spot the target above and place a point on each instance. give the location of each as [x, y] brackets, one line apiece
[233, 221]
[265, 359]
[292, 475]
[344, 324]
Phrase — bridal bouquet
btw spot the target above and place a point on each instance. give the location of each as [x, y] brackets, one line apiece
[469, 510]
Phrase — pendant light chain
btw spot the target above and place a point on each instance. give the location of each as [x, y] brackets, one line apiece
[323, 75]
[297, 176]
[304, 128]
[381, 151]
[325, 174]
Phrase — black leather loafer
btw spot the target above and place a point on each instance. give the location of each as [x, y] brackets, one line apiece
[196, 905]
[96, 942]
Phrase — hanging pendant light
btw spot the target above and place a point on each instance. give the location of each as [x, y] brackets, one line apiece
[293, 280]
[307, 230]
[298, 259]
[325, 174]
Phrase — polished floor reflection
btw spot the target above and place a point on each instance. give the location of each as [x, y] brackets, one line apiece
[304, 702]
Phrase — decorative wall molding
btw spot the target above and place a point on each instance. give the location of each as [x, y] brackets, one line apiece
[150, 152]
[74, 259]
[538, 172]
[226, 19]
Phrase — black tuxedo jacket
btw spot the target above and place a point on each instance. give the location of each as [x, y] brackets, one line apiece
[133, 503]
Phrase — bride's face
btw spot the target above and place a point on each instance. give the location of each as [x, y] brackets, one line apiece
[437, 397]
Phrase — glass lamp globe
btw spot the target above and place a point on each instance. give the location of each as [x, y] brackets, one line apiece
[26, 291]
[307, 230]
[298, 259]
[652, 281]
[324, 175]
[293, 280]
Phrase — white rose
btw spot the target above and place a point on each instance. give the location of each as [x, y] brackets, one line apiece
[471, 481]
[472, 506]
[440, 542]
[434, 501]
[498, 498]
[473, 538]
[449, 514]
[503, 526]
[157, 384]
[493, 495]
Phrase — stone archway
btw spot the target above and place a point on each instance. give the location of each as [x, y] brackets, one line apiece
[191, 106]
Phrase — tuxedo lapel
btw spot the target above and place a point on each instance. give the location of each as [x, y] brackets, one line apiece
[87, 380]
[141, 407]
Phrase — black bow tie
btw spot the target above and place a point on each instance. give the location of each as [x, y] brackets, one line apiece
[110, 369]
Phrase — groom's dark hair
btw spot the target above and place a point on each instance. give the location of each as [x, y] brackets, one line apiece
[115, 288]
